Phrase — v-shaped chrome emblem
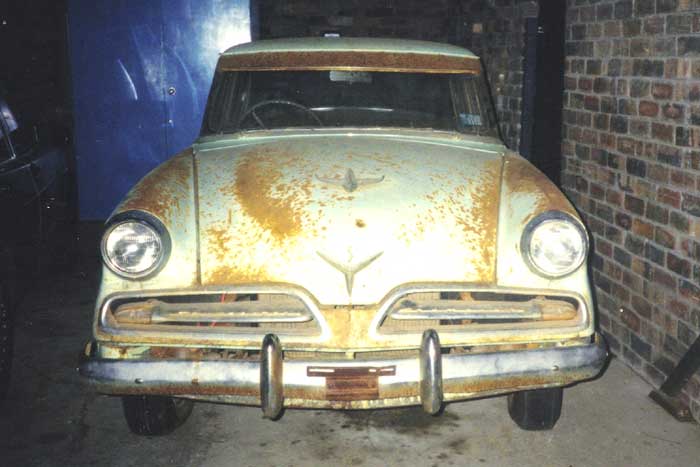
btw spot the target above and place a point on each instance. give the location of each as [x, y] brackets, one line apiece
[350, 269]
[350, 182]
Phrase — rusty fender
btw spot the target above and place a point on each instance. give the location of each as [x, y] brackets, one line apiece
[386, 382]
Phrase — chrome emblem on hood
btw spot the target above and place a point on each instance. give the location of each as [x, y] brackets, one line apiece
[349, 269]
[350, 182]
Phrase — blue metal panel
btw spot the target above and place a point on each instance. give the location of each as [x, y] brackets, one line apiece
[141, 71]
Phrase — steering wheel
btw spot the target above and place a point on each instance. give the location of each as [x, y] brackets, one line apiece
[251, 111]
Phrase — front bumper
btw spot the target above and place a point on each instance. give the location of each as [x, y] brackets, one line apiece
[274, 383]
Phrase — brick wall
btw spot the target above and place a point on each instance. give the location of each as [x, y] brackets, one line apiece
[632, 166]
[495, 30]
[412, 19]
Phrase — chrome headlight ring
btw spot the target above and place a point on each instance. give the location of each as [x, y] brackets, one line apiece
[135, 245]
[554, 244]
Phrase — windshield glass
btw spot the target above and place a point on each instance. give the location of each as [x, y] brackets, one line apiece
[253, 100]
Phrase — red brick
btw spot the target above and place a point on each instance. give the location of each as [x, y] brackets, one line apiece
[662, 132]
[643, 228]
[630, 318]
[673, 111]
[670, 197]
[662, 90]
[634, 204]
[648, 109]
[585, 84]
[663, 278]
[613, 197]
[664, 238]
[657, 173]
[682, 179]
[591, 103]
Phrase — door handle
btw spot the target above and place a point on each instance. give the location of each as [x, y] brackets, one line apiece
[4, 189]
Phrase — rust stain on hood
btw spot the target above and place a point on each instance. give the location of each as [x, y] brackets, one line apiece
[275, 206]
[162, 190]
[485, 202]
[268, 209]
[523, 179]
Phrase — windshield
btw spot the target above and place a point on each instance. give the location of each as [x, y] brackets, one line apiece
[253, 100]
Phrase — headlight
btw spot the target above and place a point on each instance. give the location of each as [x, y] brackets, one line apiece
[554, 244]
[134, 248]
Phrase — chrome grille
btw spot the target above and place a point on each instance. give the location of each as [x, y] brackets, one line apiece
[221, 310]
[466, 310]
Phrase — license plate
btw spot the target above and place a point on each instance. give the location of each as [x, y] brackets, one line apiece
[351, 383]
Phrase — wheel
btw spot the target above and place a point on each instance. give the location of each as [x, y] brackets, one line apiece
[5, 343]
[155, 415]
[536, 410]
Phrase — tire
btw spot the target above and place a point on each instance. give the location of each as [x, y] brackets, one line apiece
[155, 415]
[536, 410]
[6, 342]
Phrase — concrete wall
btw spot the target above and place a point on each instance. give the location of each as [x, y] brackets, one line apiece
[632, 166]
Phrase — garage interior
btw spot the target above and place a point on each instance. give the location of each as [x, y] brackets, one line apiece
[603, 96]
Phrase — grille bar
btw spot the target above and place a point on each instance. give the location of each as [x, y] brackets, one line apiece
[459, 309]
[462, 310]
[159, 312]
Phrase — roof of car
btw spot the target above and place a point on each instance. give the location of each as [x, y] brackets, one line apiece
[351, 54]
[349, 44]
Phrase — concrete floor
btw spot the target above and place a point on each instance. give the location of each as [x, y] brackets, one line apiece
[51, 419]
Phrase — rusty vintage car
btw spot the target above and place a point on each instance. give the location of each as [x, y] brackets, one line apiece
[348, 232]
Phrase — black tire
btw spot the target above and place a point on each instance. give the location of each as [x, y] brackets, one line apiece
[536, 410]
[6, 343]
[155, 415]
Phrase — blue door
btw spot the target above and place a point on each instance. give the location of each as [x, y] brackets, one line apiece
[141, 71]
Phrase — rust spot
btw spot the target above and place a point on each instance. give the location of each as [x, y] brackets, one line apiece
[360, 223]
[511, 383]
[349, 60]
[219, 237]
[483, 217]
[236, 275]
[181, 390]
[478, 218]
[274, 206]
[523, 178]
[161, 191]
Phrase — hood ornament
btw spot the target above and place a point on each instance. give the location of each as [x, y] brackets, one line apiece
[349, 269]
[350, 182]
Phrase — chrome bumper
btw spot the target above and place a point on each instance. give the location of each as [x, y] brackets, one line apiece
[273, 383]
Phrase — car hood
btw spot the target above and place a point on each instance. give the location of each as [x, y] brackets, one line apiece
[348, 217]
